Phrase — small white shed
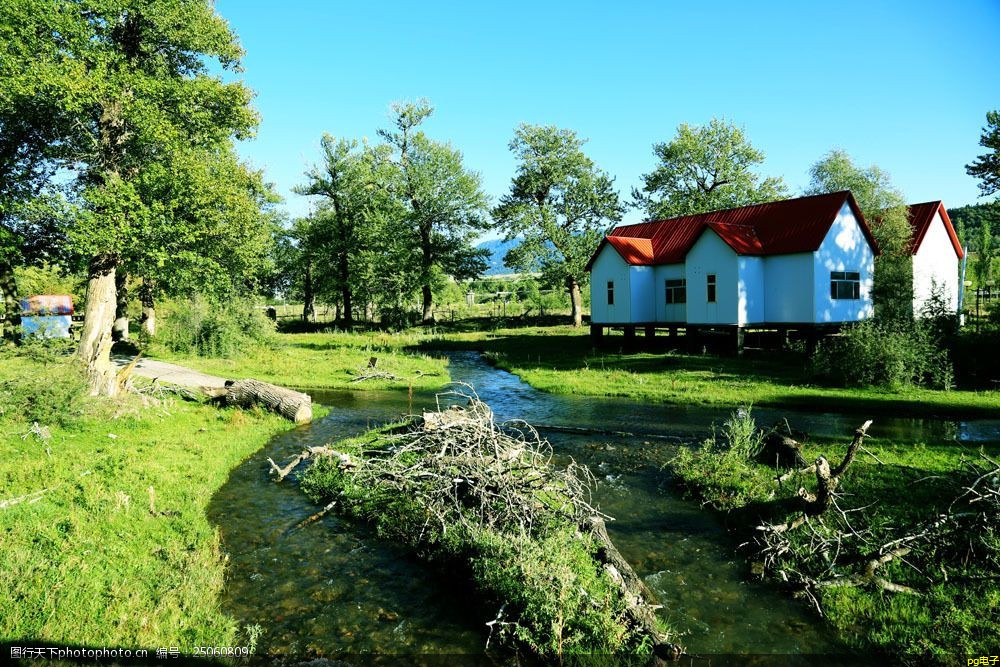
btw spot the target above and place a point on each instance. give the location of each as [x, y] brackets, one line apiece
[937, 254]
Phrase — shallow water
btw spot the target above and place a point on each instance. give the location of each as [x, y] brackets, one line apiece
[334, 589]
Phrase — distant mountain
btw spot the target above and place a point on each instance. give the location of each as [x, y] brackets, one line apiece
[498, 249]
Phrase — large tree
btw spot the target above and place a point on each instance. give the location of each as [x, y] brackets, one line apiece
[560, 204]
[705, 168]
[133, 85]
[355, 183]
[32, 121]
[444, 204]
[884, 209]
[209, 228]
[986, 167]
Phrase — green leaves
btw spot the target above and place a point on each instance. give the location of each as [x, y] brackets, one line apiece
[705, 168]
[559, 202]
[986, 167]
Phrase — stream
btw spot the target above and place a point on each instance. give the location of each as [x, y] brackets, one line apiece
[334, 589]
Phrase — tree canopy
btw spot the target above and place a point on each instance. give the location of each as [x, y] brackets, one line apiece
[705, 168]
[355, 182]
[444, 206]
[560, 204]
[123, 95]
[986, 167]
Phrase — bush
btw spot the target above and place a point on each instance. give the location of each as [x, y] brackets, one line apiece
[38, 398]
[723, 471]
[198, 326]
[879, 355]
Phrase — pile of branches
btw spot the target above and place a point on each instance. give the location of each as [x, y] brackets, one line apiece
[824, 543]
[462, 488]
[464, 469]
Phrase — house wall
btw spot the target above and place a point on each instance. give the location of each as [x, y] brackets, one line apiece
[844, 248]
[676, 312]
[642, 308]
[710, 254]
[609, 265]
[788, 293]
[750, 290]
[935, 263]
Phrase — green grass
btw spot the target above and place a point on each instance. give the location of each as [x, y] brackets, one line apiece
[89, 563]
[901, 486]
[562, 360]
[329, 361]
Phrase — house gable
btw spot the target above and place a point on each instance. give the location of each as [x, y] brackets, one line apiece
[935, 264]
[609, 266]
[846, 248]
[711, 256]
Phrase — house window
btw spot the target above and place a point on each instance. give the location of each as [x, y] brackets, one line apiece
[611, 292]
[710, 284]
[676, 291]
[845, 285]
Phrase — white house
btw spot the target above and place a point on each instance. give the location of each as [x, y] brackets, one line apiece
[937, 253]
[805, 261]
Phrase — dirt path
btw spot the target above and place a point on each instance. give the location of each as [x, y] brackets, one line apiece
[169, 373]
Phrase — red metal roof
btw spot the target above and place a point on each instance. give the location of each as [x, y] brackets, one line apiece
[774, 228]
[921, 216]
[633, 250]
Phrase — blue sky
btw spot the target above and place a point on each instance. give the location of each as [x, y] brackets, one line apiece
[905, 85]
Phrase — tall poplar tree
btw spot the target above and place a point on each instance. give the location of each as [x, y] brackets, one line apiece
[444, 204]
[355, 183]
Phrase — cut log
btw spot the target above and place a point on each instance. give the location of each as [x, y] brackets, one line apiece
[634, 590]
[290, 404]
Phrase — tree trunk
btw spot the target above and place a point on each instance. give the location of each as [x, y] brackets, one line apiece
[99, 316]
[119, 330]
[573, 287]
[8, 285]
[639, 600]
[148, 317]
[427, 261]
[428, 305]
[308, 297]
[290, 404]
[345, 288]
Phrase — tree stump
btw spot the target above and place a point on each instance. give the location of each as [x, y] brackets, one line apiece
[293, 405]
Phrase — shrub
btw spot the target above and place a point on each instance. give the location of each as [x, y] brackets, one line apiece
[38, 398]
[722, 472]
[213, 329]
[879, 355]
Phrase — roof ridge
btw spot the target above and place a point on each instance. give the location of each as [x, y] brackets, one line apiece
[748, 206]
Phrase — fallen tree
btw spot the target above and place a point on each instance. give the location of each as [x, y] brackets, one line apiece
[899, 548]
[291, 404]
[463, 490]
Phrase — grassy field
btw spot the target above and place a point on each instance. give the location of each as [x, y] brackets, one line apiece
[329, 361]
[110, 545]
[561, 359]
[894, 489]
